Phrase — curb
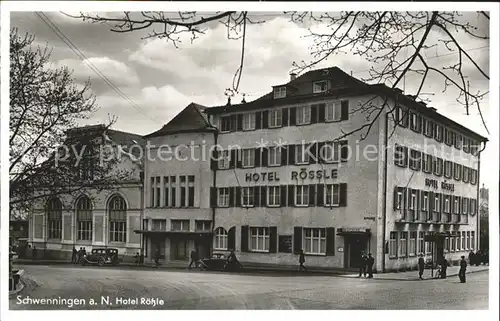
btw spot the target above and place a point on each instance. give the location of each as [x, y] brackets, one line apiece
[416, 279]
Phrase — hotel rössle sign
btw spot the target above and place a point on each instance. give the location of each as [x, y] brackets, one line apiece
[301, 174]
[434, 183]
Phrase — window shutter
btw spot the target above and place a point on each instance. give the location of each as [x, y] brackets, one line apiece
[213, 161]
[297, 239]
[396, 189]
[239, 126]
[291, 154]
[265, 156]
[405, 155]
[257, 157]
[231, 196]
[313, 153]
[273, 236]
[293, 116]
[344, 151]
[258, 120]
[343, 194]
[320, 194]
[256, 196]
[244, 238]
[237, 197]
[239, 158]
[284, 117]
[405, 114]
[263, 196]
[284, 156]
[344, 110]
[283, 195]
[291, 198]
[312, 195]
[330, 241]
[232, 159]
[265, 119]
[314, 113]
[417, 205]
[213, 197]
[405, 202]
[233, 123]
[231, 238]
[419, 123]
[321, 113]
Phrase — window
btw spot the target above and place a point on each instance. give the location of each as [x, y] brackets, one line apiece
[468, 240]
[457, 172]
[465, 176]
[425, 206]
[191, 190]
[439, 133]
[248, 157]
[448, 169]
[456, 206]
[449, 137]
[457, 242]
[279, 92]
[159, 225]
[225, 124]
[320, 86]
[438, 166]
[472, 240]
[414, 122]
[84, 219]
[403, 239]
[463, 241]
[259, 239]
[273, 196]
[415, 159]
[314, 240]
[183, 188]
[446, 244]
[473, 176]
[465, 206]
[180, 225]
[330, 152]
[220, 239]
[437, 204]
[466, 145]
[223, 197]
[421, 242]
[249, 121]
[203, 226]
[399, 199]
[301, 155]
[54, 218]
[247, 196]
[412, 249]
[428, 247]
[452, 244]
[393, 244]
[402, 116]
[446, 203]
[473, 147]
[413, 201]
[302, 195]
[117, 219]
[429, 128]
[458, 141]
[303, 115]
[332, 111]
[400, 156]
[332, 195]
[275, 118]
[472, 207]
[224, 159]
[153, 192]
[274, 156]
[427, 163]
[169, 191]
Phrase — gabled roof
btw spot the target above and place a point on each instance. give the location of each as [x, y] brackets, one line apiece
[190, 120]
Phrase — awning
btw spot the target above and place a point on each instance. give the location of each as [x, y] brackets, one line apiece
[353, 231]
[187, 233]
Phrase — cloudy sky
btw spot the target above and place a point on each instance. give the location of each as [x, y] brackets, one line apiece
[161, 79]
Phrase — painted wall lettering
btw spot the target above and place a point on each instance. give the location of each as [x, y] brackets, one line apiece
[319, 174]
[265, 176]
[431, 182]
[448, 186]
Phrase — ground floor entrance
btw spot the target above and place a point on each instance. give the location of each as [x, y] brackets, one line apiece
[172, 246]
[355, 245]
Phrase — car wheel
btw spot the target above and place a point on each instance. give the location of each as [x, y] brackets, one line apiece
[82, 262]
[101, 261]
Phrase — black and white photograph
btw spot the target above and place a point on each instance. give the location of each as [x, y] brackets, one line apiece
[225, 156]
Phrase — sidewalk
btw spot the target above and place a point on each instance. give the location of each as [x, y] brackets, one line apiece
[452, 271]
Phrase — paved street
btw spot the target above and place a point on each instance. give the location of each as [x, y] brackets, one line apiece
[213, 290]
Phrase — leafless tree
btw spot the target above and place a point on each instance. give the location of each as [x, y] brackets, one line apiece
[394, 42]
[44, 104]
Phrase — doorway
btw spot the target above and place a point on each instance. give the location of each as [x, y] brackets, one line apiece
[355, 245]
[178, 249]
[158, 243]
[202, 246]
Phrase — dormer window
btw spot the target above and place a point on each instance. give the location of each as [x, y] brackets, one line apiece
[319, 86]
[279, 92]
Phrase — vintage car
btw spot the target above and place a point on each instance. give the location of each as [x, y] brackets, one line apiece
[218, 262]
[101, 256]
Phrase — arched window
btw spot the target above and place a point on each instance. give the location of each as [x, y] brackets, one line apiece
[220, 239]
[54, 218]
[84, 218]
[117, 212]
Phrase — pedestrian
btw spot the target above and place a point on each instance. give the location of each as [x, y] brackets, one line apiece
[73, 255]
[302, 260]
[471, 257]
[463, 268]
[421, 266]
[157, 257]
[370, 261]
[34, 252]
[194, 258]
[444, 266]
[363, 262]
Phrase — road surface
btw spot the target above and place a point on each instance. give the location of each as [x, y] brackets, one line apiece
[115, 288]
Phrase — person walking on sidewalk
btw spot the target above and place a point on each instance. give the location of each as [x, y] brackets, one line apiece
[421, 266]
[157, 257]
[194, 259]
[370, 261]
[463, 268]
[302, 260]
[73, 255]
[363, 262]
[444, 266]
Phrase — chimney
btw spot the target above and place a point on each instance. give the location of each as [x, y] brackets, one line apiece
[293, 76]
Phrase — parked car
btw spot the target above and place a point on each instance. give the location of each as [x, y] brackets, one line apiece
[101, 256]
[219, 262]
